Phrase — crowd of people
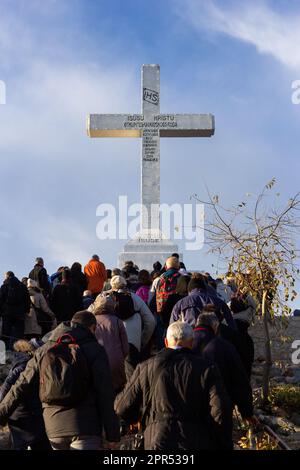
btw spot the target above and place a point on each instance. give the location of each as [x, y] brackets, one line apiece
[98, 350]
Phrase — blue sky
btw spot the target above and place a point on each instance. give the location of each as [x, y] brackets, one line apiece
[63, 59]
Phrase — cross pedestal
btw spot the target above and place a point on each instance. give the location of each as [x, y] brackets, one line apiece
[150, 245]
[144, 253]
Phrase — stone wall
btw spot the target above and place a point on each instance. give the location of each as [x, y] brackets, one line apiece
[282, 333]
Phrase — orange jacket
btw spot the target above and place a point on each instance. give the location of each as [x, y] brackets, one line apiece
[96, 275]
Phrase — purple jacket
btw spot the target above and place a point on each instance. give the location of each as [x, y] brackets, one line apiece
[111, 334]
[143, 293]
[189, 308]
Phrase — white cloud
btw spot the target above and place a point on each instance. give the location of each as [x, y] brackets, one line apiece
[43, 122]
[64, 241]
[50, 89]
[50, 104]
[254, 22]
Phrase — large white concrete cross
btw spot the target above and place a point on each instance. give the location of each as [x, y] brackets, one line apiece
[150, 125]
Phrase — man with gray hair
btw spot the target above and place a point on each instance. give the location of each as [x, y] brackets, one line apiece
[179, 335]
[184, 403]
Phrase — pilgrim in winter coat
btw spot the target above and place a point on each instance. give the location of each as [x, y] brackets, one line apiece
[40, 318]
[189, 308]
[217, 350]
[90, 416]
[96, 275]
[111, 334]
[14, 304]
[78, 277]
[26, 424]
[139, 326]
[189, 408]
[66, 298]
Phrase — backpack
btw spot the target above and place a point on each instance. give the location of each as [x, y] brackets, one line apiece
[124, 306]
[64, 374]
[166, 286]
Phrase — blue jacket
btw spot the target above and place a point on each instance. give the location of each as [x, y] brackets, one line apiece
[192, 305]
[87, 301]
[14, 373]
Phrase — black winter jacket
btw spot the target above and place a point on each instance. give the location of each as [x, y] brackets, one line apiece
[39, 275]
[79, 279]
[242, 342]
[14, 299]
[65, 301]
[87, 418]
[189, 408]
[220, 352]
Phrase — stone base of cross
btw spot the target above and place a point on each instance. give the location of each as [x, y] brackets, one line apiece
[144, 253]
[150, 125]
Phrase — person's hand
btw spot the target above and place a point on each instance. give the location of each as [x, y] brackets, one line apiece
[54, 323]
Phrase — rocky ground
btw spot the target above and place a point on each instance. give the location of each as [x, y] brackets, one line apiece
[285, 422]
